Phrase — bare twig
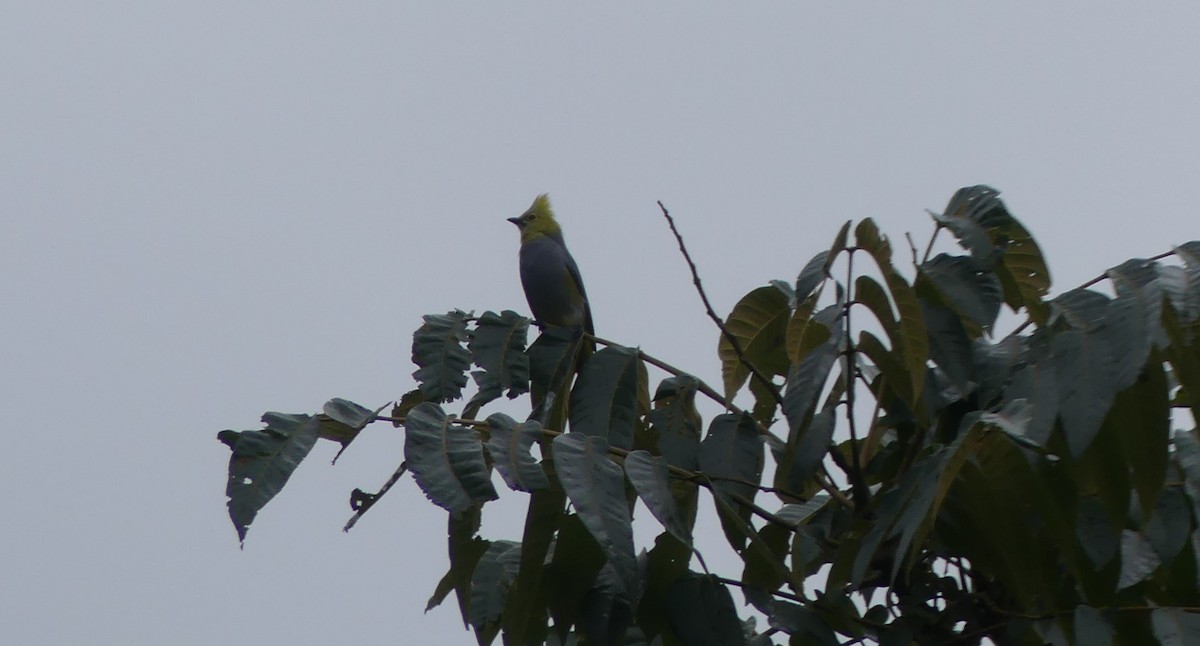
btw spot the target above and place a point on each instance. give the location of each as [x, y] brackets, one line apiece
[712, 314]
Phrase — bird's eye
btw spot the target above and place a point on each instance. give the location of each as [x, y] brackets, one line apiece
[532, 216]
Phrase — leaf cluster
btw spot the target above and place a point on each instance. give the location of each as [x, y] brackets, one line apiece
[905, 474]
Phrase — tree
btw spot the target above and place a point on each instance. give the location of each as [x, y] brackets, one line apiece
[940, 483]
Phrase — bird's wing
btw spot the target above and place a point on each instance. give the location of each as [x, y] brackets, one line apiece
[573, 270]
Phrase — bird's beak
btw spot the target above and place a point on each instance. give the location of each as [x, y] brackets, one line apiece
[516, 221]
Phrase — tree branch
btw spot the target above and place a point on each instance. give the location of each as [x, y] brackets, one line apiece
[712, 314]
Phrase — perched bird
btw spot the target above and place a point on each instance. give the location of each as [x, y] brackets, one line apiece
[549, 274]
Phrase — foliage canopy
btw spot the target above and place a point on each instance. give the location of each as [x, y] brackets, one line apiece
[905, 474]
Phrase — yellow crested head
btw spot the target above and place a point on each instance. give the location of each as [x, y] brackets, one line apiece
[538, 220]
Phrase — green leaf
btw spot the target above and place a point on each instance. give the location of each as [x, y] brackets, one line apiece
[596, 488]
[732, 455]
[1140, 417]
[1037, 385]
[993, 366]
[489, 587]
[806, 330]
[1170, 525]
[806, 378]
[798, 513]
[759, 323]
[1138, 559]
[446, 461]
[870, 293]
[510, 445]
[1095, 532]
[551, 364]
[1022, 270]
[665, 563]
[813, 274]
[1083, 371]
[342, 421]
[764, 567]
[572, 571]
[966, 287]
[441, 359]
[949, 346]
[1092, 628]
[406, 403]
[607, 613]
[1175, 626]
[806, 448]
[701, 612]
[525, 610]
[497, 346]
[915, 350]
[262, 461]
[649, 477]
[604, 400]
[971, 236]
[676, 422]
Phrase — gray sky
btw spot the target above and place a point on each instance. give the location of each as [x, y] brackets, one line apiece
[210, 210]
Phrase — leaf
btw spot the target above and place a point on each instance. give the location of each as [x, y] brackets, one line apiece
[572, 572]
[806, 330]
[489, 587]
[525, 609]
[971, 236]
[1092, 628]
[1022, 270]
[510, 444]
[1175, 626]
[1082, 309]
[441, 359]
[262, 461]
[966, 287]
[813, 274]
[445, 460]
[1037, 385]
[806, 378]
[604, 400]
[406, 403]
[797, 513]
[732, 456]
[764, 567]
[676, 422]
[497, 346]
[465, 549]
[993, 365]
[551, 364]
[1138, 559]
[648, 475]
[1170, 524]
[806, 448]
[596, 488]
[607, 614]
[1095, 532]
[1082, 369]
[915, 350]
[949, 346]
[665, 563]
[759, 323]
[1140, 418]
[701, 612]
[342, 421]
[1132, 275]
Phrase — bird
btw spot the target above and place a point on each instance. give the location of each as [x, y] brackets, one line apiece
[549, 275]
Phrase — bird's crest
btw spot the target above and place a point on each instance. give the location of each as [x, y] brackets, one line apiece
[538, 220]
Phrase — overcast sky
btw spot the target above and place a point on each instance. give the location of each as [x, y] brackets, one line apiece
[213, 209]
